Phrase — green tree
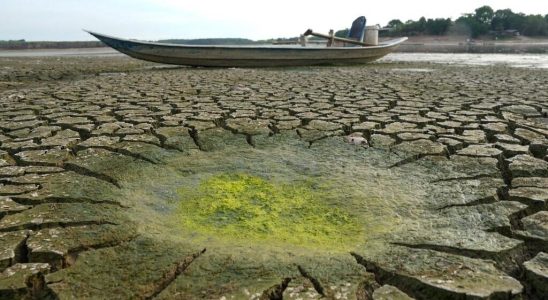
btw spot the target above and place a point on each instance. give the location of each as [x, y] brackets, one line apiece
[535, 25]
[501, 19]
[342, 33]
[394, 23]
[484, 14]
[475, 27]
[421, 25]
[437, 26]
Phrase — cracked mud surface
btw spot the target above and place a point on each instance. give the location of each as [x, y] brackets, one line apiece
[122, 179]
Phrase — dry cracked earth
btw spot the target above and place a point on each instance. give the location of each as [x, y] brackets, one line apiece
[385, 181]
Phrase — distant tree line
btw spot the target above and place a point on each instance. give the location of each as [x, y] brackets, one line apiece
[483, 21]
[22, 44]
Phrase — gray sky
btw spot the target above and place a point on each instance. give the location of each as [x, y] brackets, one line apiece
[253, 19]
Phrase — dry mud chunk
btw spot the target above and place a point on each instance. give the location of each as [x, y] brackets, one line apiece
[288, 124]
[6, 159]
[493, 216]
[468, 242]
[145, 138]
[311, 135]
[218, 139]
[525, 110]
[510, 150]
[323, 125]
[459, 166]
[235, 276]
[99, 141]
[64, 138]
[61, 214]
[389, 292]
[140, 269]
[129, 131]
[145, 151]
[200, 125]
[11, 171]
[300, 288]
[106, 129]
[410, 136]
[58, 246]
[528, 135]
[398, 127]
[102, 162]
[8, 206]
[72, 121]
[465, 239]
[465, 191]
[474, 136]
[13, 281]
[284, 139]
[536, 272]
[67, 187]
[539, 148]
[536, 226]
[480, 150]
[423, 146]
[505, 138]
[435, 275]
[415, 119]
[11, 250]
[229, 275]
[177, 138]
[381, 141]
[12, 190]
[327, 280]
[366, 126]
[43, 132]
[495, 127]
[528, 166]
[541, 182]
[537, 197]
[10, 125]
[49, 157]
[249, 126]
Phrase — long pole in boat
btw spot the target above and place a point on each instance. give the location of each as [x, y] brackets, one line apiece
[335, 38]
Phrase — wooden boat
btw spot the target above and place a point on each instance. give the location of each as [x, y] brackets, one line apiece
[254, 56]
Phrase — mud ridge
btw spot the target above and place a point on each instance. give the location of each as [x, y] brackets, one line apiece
[55, 200]
[480, 201]
[86, 172]
[315, 282]
[276, 292]
[172, 274]
[508, 261]
[33, 226]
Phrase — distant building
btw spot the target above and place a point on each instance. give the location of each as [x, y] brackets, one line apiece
[507, 32]
[511, 32]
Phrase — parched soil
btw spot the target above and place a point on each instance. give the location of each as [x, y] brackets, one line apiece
[122, 179]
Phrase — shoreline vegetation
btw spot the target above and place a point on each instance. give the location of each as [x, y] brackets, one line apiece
[483, 31]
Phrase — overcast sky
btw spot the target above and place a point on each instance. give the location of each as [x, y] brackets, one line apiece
[253, 19]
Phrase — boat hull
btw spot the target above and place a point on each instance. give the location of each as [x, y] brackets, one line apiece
[247, 56]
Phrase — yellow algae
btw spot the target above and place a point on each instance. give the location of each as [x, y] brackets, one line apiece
[245, 207]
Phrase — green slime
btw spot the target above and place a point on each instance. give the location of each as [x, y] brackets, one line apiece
[251, 208]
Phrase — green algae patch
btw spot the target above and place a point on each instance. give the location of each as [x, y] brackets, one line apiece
[245, 207]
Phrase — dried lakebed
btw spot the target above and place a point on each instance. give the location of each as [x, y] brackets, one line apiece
[120, 179]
